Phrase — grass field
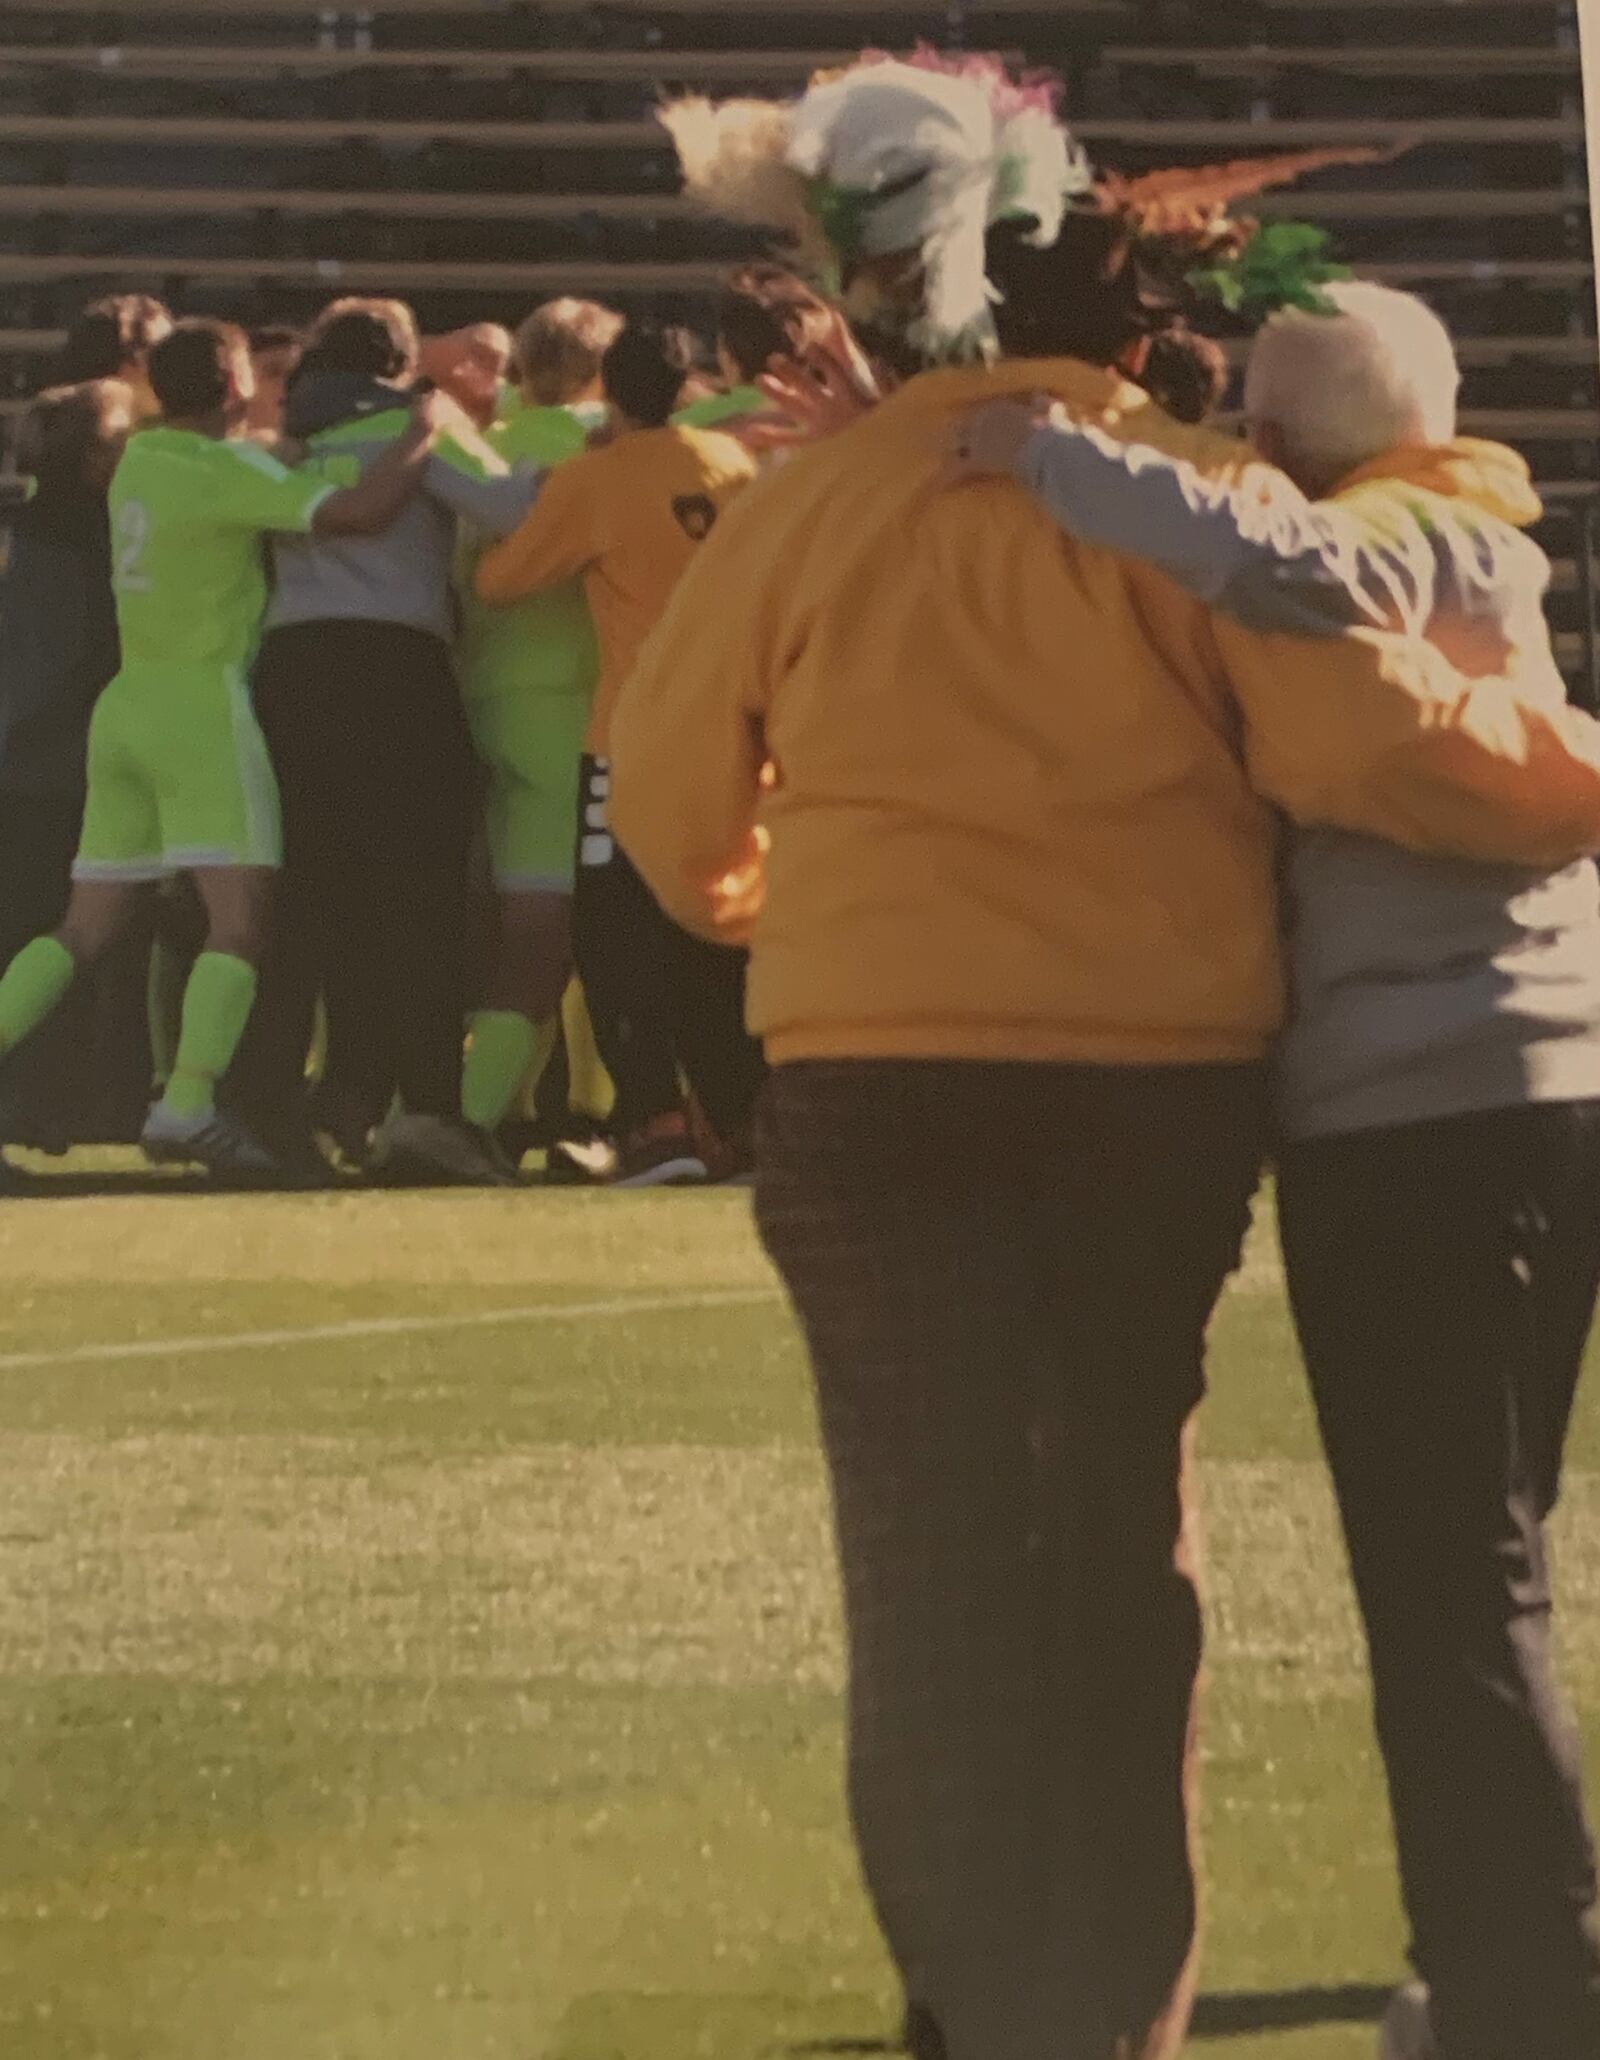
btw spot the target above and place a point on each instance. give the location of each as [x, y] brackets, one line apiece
[451, 1673]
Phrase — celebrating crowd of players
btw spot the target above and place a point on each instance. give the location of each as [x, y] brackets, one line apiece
[1204, 797]
[331, 627]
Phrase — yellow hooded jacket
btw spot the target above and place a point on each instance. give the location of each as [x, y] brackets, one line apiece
[1019, 805]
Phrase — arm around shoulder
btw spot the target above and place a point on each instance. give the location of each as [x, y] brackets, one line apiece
[1377, 732]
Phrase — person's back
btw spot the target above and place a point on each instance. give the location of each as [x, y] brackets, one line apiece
[629, 517]
[1425, 987]
[1017, 967]
[1439, 1153]
[545, 641]
[951, 869]
[357, 694]
[528, 673]
[187, 559]
[655, 496]
[403, 576]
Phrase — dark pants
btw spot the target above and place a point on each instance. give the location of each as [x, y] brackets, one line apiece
[1443, 1277]
[1004, 1273]
[661, 1002]
[84, 1076]
[379, 785]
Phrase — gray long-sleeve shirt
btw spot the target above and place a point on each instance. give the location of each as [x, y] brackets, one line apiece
[404, 573]
[1422, 987]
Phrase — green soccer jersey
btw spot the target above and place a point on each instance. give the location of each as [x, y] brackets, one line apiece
[188, 513]
[546, 642]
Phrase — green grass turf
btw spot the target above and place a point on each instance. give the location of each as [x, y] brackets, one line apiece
[471, 1693]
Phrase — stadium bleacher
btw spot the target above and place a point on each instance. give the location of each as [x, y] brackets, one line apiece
[253, 156]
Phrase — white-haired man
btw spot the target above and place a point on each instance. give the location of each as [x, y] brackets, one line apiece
[1439, 1124]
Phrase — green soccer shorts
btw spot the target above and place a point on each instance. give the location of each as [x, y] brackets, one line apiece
[179, 778]
[530, 743]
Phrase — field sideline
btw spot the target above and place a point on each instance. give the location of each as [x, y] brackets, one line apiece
[418, 1642]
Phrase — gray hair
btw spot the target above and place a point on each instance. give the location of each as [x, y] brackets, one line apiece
[1346, 386]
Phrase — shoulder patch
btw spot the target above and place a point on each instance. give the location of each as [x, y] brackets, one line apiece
[696, 515]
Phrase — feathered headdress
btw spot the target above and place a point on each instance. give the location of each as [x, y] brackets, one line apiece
[1190, 245]
[924, 156]
[885, 157]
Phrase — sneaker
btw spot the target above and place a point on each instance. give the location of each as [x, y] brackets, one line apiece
[581, 1162]
[1408, 2026]
[213, 1139]
[442, 1151]
[663, 1154]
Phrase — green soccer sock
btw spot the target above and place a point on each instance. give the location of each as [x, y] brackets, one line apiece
[499, 1058]
[31, 986]
[216, 1006]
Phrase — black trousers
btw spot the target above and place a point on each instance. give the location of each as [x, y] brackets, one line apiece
[1443, 1277]
[1008, 1348]
[380, 791]
[661, 1002]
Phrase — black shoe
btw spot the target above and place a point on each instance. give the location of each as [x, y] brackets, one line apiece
[441, 1151]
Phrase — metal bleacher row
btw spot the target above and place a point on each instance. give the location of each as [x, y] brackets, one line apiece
[251, 157]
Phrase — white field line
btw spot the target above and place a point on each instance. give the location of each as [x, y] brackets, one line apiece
[387, 1327]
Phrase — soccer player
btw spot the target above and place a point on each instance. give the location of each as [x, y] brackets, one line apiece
[529, 674]
[629, 519]
[178, 777]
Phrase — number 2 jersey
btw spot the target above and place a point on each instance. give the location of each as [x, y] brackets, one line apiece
[179, 777]
[188, 513]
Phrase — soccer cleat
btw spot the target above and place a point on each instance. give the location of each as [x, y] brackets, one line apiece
[1408, 2026]
[662, 1154]
[441, 1150]
[213, 1139]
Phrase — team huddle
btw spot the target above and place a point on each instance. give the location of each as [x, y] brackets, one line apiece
[1098, 804]
[369, 636]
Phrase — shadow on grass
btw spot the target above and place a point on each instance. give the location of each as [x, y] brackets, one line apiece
[1237, 2015]
[666, 2026]
[822, 2049]
[621, 2026]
